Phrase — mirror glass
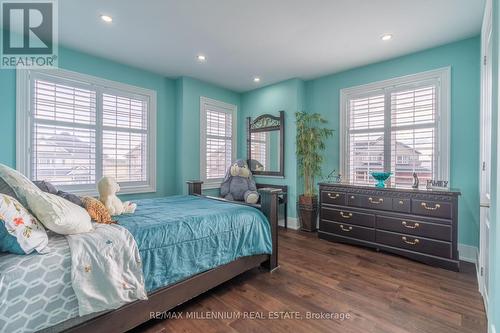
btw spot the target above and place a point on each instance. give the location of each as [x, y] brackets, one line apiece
[265, 152]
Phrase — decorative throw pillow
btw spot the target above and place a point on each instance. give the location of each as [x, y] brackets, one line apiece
[58, 214]
[45, 186]
[71, 197]
[20, 232]
[17, 182]
[97, 211]
[49, 188]
[55, 213]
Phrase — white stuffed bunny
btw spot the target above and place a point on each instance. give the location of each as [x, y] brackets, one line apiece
[108, 187]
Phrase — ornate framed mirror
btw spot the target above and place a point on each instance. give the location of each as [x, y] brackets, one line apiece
[265, 145]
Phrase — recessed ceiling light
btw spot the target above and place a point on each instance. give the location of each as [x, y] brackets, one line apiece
[256, 79]
[201, 58]
[106, 18]
[386, 37]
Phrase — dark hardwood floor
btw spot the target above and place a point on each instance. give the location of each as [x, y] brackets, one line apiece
[379, 292]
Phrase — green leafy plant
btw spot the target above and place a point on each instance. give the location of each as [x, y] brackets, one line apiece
[311, 136]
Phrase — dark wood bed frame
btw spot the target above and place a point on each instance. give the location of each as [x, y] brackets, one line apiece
[165, 299]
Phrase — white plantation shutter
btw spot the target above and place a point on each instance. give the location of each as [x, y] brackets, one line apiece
[217, 139]
[63, 133]
[413, 140]
[366, 137]
[124, 139]
[398, 125]
[81, 128]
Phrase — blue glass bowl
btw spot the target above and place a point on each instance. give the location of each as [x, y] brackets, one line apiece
[381, 177]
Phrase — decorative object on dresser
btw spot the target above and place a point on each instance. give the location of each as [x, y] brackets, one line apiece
[437, 184]
[415, 181]
[418, 224]
[310, 141]
[381, 177]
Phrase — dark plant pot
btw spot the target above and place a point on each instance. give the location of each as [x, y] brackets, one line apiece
[307, 207]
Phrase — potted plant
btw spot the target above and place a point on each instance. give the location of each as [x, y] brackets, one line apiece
[311, 136]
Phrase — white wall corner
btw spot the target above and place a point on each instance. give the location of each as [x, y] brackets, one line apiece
[468, 253]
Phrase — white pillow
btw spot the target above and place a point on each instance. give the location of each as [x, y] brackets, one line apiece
[18, 182]
[58, 214]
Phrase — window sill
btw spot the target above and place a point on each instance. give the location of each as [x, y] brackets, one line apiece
[211, 185]
[123, 190]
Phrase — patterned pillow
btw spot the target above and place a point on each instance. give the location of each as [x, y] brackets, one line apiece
[20, 232]
[97, 211]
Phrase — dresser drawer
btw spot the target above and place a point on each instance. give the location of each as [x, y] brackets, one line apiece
[348, 230]
[431, 208]
[415, 243]
[416, 228]
[346, 216]
[333, 198]
[401, 205]
[369, 201]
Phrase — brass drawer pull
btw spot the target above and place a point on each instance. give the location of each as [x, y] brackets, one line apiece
[331, 196]
[380, 200]
[345, 229]
[424, 204]
[346, 216]
[414, 242]
[414, 226]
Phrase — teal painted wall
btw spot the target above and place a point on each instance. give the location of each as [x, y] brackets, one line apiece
[289, 97]
[88, 64]
[8, 112]
[189, 91]
[322, 96]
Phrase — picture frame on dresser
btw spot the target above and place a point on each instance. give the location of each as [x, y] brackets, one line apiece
[419, 224]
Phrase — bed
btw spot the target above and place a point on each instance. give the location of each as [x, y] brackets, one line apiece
[188, 245]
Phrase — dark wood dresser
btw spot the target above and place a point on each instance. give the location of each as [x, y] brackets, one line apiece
[418, 224]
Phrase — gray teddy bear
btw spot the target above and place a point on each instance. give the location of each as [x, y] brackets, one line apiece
[238, 184]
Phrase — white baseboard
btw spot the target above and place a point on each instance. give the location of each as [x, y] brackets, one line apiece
[292, 223]
[468, 253]
[492, 329]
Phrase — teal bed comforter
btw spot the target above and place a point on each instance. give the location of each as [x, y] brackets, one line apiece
[177, 237]
[180, 236]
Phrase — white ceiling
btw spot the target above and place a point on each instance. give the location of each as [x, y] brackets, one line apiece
[273, 39]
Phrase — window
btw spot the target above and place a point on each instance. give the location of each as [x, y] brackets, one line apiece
[399, 125]
[74, 129]
[403, 159]
[217, 140]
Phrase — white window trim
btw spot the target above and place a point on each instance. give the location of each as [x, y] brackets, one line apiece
[443, 76]
[211, 184]
[24, 123]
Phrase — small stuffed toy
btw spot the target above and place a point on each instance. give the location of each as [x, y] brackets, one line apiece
[108, 187]
[238, 184]
[97, 211]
